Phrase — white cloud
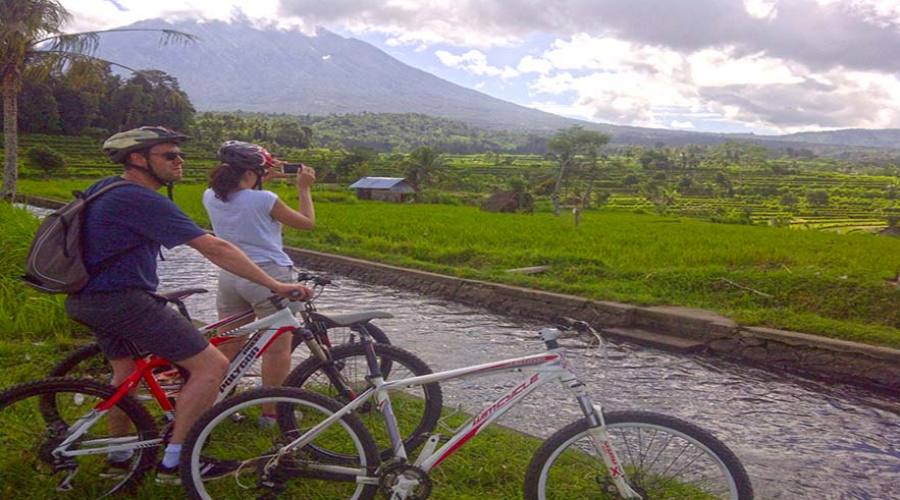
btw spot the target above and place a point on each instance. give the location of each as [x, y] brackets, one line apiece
[712, 67]
[475, 62]
[627, 83]
[89, 15]
[761, 9]
[529, 64]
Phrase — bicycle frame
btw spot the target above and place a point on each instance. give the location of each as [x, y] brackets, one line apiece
[542, 368]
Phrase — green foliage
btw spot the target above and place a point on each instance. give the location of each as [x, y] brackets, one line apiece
[817, 198]
[422, 166]
[25, 314]
[84, 97]
[788, 200]
[46, 159]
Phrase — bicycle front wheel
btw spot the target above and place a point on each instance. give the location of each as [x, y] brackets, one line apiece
[662, 457]
[37, 417]
[252, 449]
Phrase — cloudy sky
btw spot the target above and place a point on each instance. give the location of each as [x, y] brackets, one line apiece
[766, 66]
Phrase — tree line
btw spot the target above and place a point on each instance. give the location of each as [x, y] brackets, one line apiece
[87, 98]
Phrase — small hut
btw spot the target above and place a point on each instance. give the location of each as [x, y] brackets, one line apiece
[394, 189]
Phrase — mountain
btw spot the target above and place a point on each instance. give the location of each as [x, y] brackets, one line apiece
[236, 66]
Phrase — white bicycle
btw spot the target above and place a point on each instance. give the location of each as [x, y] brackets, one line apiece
[320, 449]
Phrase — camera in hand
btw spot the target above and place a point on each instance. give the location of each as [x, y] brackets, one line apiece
[291, 168]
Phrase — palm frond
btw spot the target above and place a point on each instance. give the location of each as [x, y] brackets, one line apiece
[87, 42]
[55, 60]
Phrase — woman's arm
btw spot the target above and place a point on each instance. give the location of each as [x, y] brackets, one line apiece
[305, 216]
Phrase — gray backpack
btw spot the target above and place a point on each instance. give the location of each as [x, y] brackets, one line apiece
[55, 263]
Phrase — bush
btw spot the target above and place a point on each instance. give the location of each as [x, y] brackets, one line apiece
[817, 198]
[46, 159]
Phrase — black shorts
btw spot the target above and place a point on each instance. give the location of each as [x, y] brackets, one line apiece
[139, 317]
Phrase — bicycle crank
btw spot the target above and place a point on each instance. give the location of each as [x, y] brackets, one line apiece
[405, 482]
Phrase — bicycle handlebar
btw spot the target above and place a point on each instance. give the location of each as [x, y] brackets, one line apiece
[579, 327]
[317, 280]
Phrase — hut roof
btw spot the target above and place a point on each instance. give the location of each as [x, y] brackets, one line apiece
[391, 183]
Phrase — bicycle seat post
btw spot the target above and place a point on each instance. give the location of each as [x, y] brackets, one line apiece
[549, 336]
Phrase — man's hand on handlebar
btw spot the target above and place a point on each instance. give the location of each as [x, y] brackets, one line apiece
[293, 291]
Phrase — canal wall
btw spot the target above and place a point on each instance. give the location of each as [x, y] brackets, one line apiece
[673, 328]
[668, 327]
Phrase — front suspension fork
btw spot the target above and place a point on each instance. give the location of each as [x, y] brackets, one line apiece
[603, 445]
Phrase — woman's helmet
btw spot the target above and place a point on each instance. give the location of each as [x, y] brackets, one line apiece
[118, 146]
[245, 155]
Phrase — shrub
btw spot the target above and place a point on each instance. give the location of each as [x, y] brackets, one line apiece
[46, 159]
[817, 198]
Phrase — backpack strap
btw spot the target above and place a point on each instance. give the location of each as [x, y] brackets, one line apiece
[79, 194]
[111, 185]
[109, 260]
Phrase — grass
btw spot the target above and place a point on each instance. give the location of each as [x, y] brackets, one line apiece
[816, 282]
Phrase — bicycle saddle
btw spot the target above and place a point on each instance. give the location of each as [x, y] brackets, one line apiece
[338, 320]
[181, 293]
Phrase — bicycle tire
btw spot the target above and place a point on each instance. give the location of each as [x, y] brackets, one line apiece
[537, 479]
[197, 445]
[35, 459]
[349, 361]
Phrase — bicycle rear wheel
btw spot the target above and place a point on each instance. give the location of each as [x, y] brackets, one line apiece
[662, 457]
[297, 474]
[36, 417]
[85, 362]
[417, 408]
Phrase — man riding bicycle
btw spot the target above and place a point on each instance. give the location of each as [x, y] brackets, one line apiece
[124, 230]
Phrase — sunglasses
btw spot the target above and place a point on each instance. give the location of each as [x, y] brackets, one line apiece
[171, 155]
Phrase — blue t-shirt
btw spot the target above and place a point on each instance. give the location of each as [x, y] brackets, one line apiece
[123, 231]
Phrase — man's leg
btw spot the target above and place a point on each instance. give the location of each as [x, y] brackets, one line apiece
[118, 421]
[207, 371]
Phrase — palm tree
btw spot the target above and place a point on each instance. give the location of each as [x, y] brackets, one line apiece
[422, 165]
[31, 40]
[567, 144]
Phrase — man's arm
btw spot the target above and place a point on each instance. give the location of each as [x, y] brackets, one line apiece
[233, 260]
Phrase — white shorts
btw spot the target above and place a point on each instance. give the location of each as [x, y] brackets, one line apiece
[236, 294]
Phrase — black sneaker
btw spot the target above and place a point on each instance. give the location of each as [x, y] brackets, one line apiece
[210, 469]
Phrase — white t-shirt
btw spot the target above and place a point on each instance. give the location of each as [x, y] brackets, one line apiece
[246, 220]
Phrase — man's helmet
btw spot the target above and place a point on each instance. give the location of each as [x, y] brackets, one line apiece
[245, 155]
[120, 145]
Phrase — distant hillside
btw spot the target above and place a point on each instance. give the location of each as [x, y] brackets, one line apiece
[238, 67]
[885, 138]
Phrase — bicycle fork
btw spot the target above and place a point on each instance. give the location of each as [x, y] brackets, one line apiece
[603, 445]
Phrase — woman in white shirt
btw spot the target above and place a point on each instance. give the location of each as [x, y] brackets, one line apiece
[251, 218]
